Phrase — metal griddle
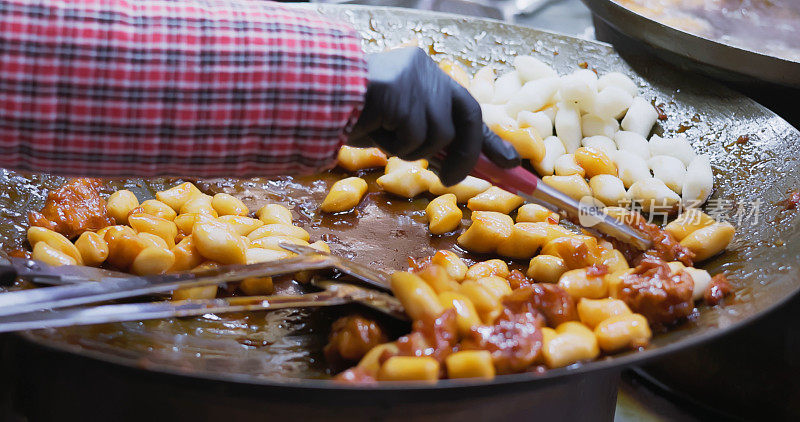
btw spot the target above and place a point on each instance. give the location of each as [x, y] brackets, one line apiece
[261, 364]
[696, 53]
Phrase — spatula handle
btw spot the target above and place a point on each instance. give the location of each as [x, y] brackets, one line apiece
[522, 182]
[513, 179]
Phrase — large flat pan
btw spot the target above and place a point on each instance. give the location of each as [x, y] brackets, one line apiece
[268, 352]
[693, 52]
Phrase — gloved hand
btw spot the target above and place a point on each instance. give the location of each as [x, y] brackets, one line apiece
[414, 110]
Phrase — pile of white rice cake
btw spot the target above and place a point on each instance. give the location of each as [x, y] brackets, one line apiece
[606, 114]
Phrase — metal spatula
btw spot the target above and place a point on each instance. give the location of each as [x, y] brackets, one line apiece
[107, 285]
[333, 293]
[521, 182]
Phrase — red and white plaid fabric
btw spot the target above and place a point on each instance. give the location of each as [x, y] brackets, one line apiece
[194, 88]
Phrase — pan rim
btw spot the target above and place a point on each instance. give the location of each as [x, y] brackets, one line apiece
[605, 9]
[550, 376]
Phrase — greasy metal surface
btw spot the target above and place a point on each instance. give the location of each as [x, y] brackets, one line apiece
[762, 262]
[698, 53]
[771, 27]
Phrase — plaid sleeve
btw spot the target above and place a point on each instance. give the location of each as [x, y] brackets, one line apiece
[198, 88]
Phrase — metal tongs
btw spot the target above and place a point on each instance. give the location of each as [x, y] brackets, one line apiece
[79, 285]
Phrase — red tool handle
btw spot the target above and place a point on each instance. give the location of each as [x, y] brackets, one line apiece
[514, 180]
[524, 183]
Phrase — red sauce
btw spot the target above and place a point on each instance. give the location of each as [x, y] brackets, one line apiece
[665, 247]
[356, 375]
[553, 302]
[417, 264]
[660, 110]
[717, 290]
[19, 253]
[597, 270]
[575, 252]
[516, 279]
[793, 200]
[743, 139]
[654, 291]
[435, 337]
[515, 340]
[351, 338]
[73, 209]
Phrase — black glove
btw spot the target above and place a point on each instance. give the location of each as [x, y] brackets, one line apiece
[414, 110]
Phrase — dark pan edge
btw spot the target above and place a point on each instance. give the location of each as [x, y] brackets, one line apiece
[551, 376]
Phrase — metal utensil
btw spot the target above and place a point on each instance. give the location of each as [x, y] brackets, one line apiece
[374, 278]
[40, 273]
[522, 182]
[111, 285]
[379, 301]
[333, 293]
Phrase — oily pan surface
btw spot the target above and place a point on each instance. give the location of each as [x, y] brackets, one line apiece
[769, 27]
[761, 263]
[712, 54]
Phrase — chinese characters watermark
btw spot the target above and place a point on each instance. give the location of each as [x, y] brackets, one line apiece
[659, 212]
